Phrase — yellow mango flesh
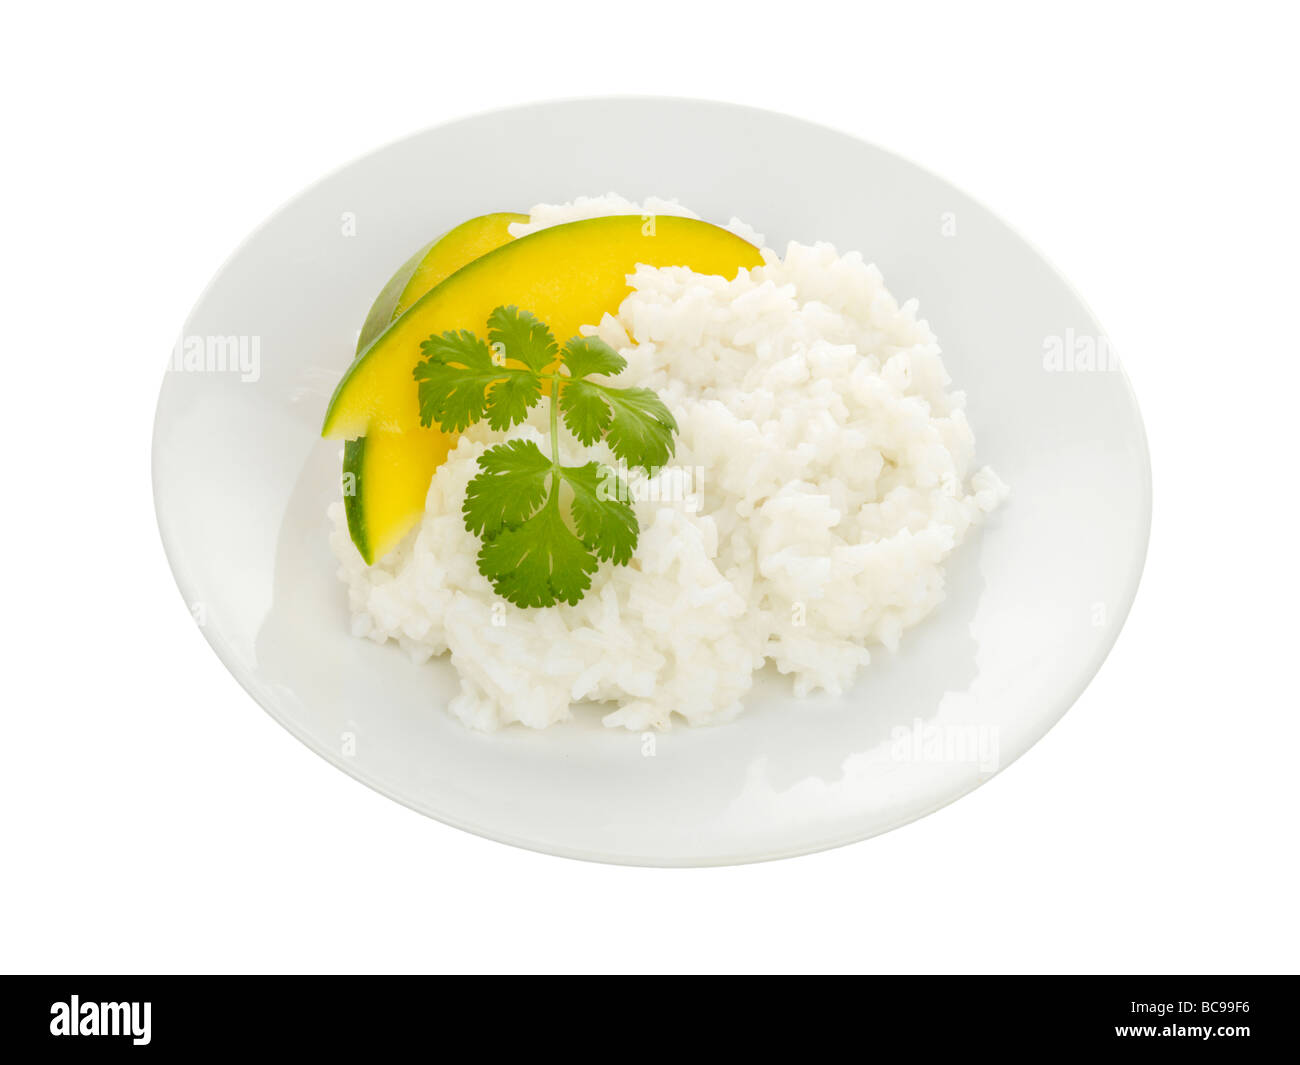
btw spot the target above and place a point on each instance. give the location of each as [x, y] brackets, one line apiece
[569, 275]
[381, 504]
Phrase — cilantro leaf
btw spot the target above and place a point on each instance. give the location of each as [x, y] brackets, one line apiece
[602, 513]
[641, 430]
[510, 400]
[538, 562]
[454, 380]
[511, 486]
[588, 355]
[460, 384]
[586, 414]
[522, 337]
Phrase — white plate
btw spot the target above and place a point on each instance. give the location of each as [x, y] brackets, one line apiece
[1035, 601]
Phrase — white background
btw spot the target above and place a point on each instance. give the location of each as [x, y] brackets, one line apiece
[155, 819]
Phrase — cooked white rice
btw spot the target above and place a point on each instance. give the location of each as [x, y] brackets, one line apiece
[820, 481]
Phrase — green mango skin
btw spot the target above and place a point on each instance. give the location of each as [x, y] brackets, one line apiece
[384, 309]
[354, 455]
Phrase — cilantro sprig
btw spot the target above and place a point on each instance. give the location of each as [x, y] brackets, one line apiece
[534, 553]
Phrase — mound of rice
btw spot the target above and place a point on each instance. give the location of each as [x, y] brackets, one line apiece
[820, 481]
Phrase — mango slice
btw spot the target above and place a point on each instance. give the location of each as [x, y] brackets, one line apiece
[377, 519]
[568, 275]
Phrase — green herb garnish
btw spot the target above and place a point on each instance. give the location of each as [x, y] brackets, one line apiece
[532, 553]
